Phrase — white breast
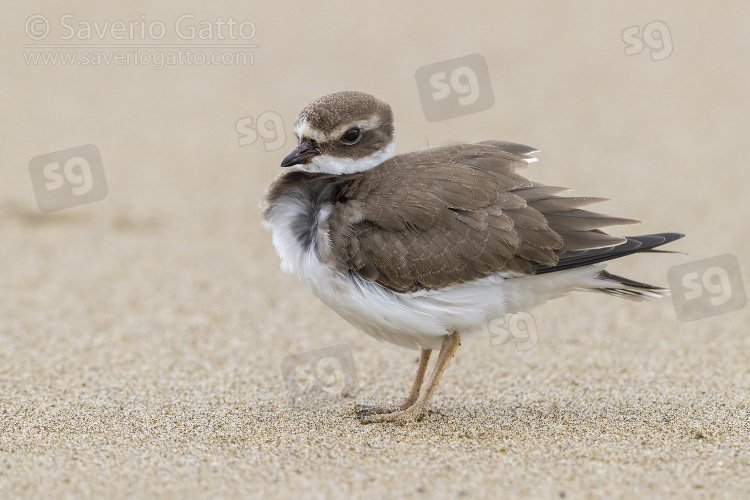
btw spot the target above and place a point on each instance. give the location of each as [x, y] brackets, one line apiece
[286, 221]
[377, 311]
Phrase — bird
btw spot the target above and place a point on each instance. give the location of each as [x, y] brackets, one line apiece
[424, 248]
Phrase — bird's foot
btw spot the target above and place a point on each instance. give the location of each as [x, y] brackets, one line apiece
[366, 410]
[400, 413]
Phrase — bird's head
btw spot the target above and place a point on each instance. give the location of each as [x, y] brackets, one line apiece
[342, 133]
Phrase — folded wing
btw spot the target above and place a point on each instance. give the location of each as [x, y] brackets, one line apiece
[453, 214]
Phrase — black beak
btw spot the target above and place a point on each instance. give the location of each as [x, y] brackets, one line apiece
[301, 154]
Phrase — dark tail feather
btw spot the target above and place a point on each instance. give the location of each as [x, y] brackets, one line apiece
[611, 283]
[634, 244]
[629, 289]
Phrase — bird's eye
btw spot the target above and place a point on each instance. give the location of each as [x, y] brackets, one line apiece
[351, 136]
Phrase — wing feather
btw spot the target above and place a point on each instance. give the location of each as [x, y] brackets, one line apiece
[452, 214]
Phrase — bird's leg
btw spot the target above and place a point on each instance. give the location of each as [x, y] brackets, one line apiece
[421, 370]
[413, 395]
[416, 410]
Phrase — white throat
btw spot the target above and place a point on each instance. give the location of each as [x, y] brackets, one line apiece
[325, 164]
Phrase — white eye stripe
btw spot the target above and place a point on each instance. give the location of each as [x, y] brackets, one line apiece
[303, 129]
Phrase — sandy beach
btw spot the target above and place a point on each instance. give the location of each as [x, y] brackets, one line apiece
[144, 324]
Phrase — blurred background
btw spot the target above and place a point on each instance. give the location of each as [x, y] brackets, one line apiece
[164, 286]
